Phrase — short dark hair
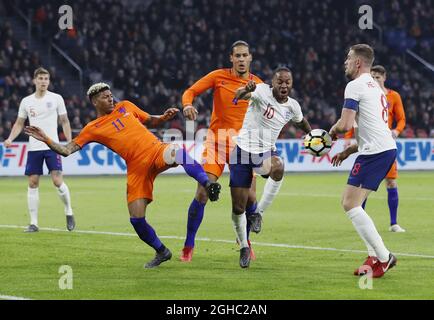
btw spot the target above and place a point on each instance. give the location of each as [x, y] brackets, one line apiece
[364, 51]
[39, 71]
[280, 69]
[239, 43]
[96, 89]
[379, 69]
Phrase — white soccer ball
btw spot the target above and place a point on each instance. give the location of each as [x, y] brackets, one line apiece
[318, 142]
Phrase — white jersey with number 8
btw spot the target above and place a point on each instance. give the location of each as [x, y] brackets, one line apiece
[368, 100]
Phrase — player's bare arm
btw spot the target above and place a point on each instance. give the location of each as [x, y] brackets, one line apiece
[39, 134]
[303, 125]
[245, 92]
[344, 124]
[66, 126]
[156, 121]
[16, 130]
[341, 156]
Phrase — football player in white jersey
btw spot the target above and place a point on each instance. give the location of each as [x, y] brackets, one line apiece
[270, 109]
[43, 108]
[365, 108]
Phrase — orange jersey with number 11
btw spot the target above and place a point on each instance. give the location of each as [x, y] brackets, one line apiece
[122, 131]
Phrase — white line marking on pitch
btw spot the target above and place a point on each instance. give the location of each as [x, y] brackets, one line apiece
[2, 297]
[264, 244]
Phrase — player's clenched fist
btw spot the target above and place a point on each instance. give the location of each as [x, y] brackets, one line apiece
[169, 114]
[7, 143]
[190, 112]
[250, 86]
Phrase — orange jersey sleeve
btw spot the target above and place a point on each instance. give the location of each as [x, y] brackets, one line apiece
[137, 112]
[396, 111]
[225, 114]
[122, 131]
[200, 86]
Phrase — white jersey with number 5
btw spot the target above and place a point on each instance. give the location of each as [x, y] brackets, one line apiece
[264, 119]
[43, 113]
[371, 130]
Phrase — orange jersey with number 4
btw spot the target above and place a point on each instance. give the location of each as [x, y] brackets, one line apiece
[225, 114]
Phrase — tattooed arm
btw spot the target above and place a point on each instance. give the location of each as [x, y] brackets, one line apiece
[303, 125]
[39, 134]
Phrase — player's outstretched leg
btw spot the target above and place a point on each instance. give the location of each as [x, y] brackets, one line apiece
[250, 210]
[146, 233]
[195, 217]
[271, 189]
[195, 170]
[366, 229]
[239, 224]
[149, 236]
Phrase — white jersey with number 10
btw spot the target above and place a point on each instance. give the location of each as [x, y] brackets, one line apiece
[264, 120]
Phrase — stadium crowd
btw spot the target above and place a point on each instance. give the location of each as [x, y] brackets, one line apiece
[150, 55]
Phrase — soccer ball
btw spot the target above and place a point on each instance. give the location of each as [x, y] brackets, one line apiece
[318, 142]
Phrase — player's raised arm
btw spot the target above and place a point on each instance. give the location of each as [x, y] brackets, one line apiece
[245, 92]
[39, 134]
[200, 86]
[156, 121]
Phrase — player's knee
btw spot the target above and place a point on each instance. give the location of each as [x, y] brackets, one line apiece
[252, 197]
[238, 208]
[347, 204]
[391, 183]
[201, 194]
[57, 180]
[33, 182]
[277, 169]
[169, 154]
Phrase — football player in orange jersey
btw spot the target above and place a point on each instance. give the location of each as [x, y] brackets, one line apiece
[226, 120]
[396, 121]
[121, 128]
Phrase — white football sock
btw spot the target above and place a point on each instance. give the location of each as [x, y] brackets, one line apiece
[366, 229]
[33, 204]
[271, 189]
[63, 192]
[240, 224]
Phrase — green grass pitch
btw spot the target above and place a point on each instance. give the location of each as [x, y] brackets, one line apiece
[307, 249]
